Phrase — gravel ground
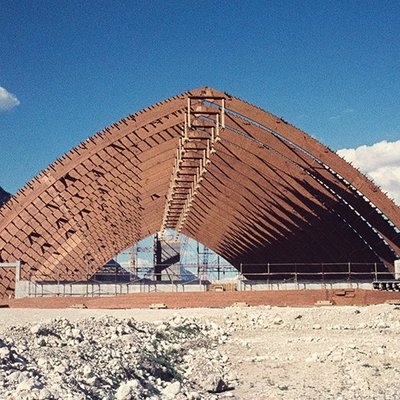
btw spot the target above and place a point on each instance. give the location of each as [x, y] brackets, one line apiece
[243, 353]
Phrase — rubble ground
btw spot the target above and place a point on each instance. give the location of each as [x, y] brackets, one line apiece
[240, 353]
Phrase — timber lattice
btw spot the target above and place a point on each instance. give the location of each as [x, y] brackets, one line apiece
[242, 181]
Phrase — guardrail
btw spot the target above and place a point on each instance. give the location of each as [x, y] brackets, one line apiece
[316, 271]
[274, 275]
[17, 265]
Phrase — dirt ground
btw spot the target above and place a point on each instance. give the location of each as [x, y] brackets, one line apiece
[336, 352]
[281, 298]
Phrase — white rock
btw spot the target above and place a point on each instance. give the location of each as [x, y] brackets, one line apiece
[26, 385]
[60, 369]
[15, 377]
[382, 325]
[193, 396]
[76, 333]
[4, 352]
[45, 394]
[380, 350]
[87, 371]
[93, 381]
[42, 363]
[35, 329]
[128, 390]
[172, 389]
[312, 358]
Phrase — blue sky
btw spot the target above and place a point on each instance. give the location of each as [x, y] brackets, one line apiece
[329, 67]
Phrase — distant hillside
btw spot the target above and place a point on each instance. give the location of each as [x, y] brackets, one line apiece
[4, 196]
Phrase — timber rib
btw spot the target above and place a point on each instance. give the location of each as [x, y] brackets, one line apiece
[242, 181]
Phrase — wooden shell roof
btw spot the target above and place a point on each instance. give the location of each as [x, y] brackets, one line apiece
[242, 181]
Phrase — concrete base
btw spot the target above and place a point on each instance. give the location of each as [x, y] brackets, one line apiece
[305, 285]
[397, 269]
[91, 289]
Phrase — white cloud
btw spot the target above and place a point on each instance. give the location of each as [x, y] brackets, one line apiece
[7, 100]
[381, 162]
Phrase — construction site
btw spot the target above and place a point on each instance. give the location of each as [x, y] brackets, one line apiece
[202, 192]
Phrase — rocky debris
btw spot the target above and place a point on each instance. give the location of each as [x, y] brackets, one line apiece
[109, 358]
[4, 196]
[312, 353]
[384, 317]
[211, 365]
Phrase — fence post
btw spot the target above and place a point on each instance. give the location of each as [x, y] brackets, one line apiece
[240, 280]
[349, 266]
[201, 276]
[18, 265]
[376, 271]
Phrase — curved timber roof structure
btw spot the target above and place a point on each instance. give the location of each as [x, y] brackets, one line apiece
[242, 181]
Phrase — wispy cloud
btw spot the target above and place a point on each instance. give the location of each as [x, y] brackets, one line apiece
[341, 114]
[7, 100]
[381, 162]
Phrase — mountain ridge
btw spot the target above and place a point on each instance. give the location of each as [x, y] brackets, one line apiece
[4, 196]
